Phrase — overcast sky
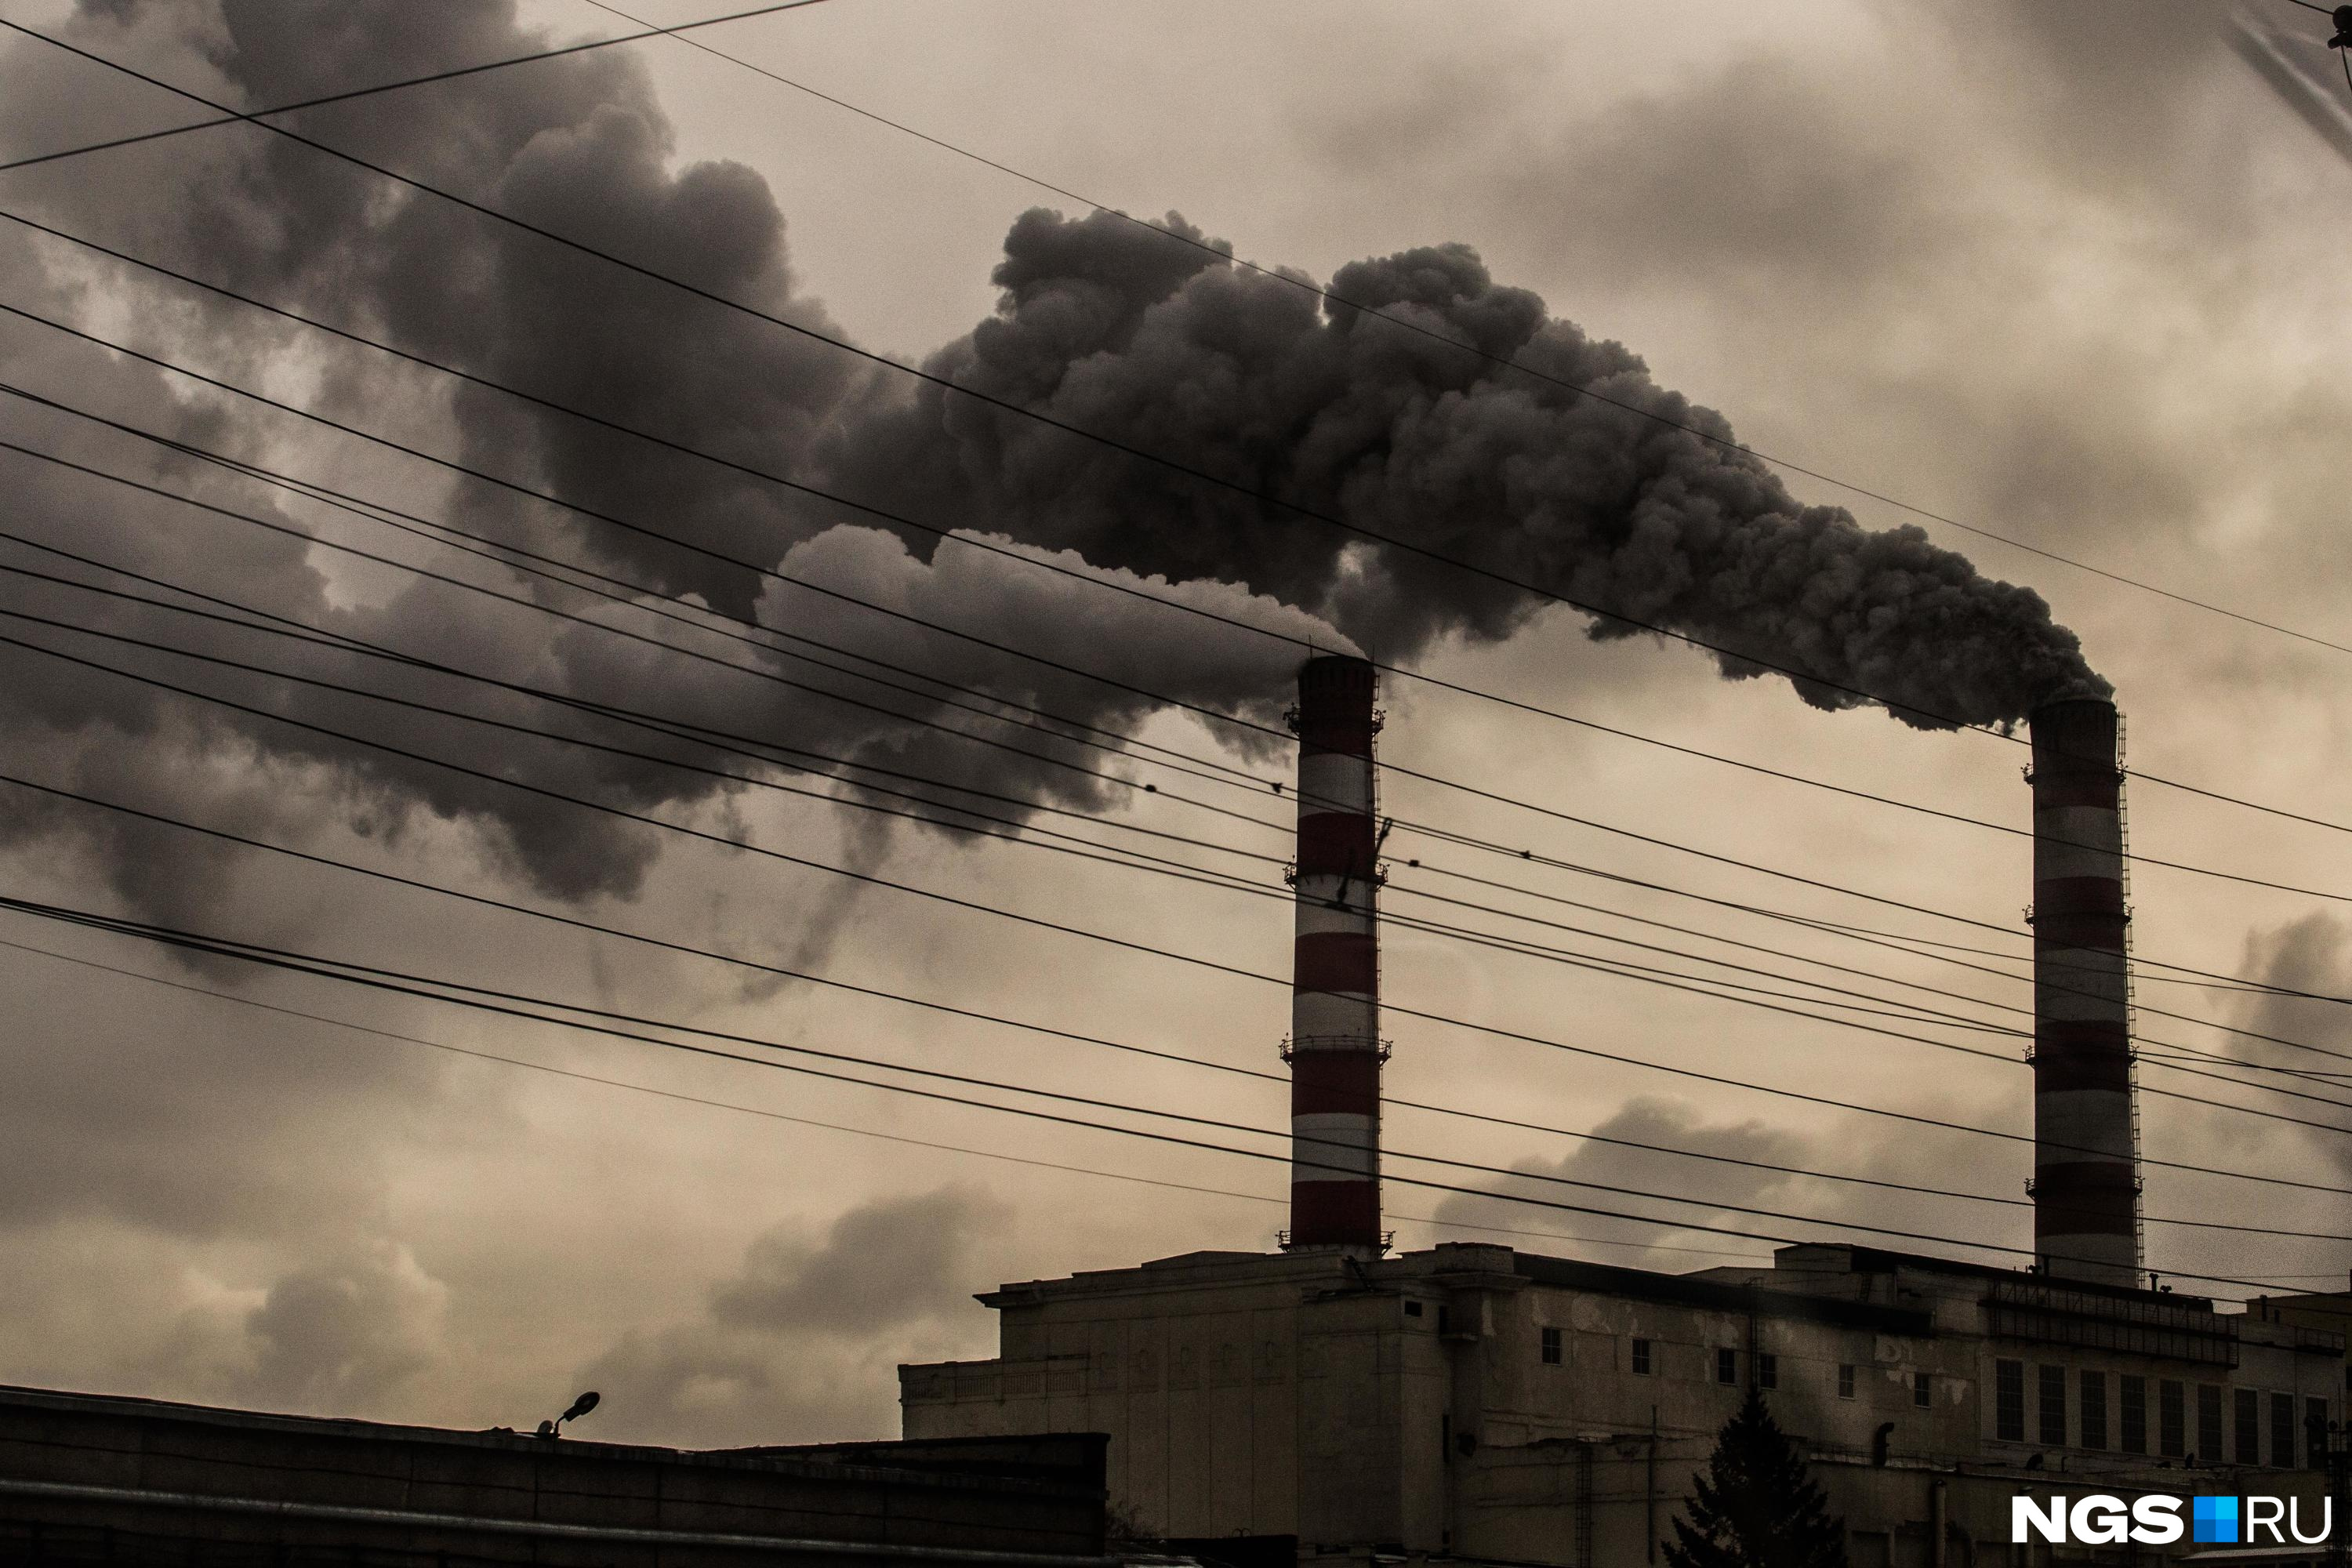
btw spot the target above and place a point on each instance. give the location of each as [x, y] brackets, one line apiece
[2070, 274]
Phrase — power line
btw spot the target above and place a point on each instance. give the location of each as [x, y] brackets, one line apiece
[998, 646]
[1040, 922]
[741, 745]
[232, 119]
[674, 731]
[1221, 772]
[417, 985]
[738, 743]
[969, 1014]
[950, 535]
[766, 1114]
[1668, 979]
[1586, 961]
[519, 1005]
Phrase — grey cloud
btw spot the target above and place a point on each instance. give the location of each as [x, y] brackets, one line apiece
[876, 1266]
[1670, 1124]
[781, 1352]
[343, 1335]
[2312, 955]
[350, 1332]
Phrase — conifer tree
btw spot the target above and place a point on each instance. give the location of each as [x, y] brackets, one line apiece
[1755, 1507]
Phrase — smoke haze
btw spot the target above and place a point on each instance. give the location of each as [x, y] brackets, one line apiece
[2066, 272]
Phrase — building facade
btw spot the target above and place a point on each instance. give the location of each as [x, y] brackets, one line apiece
[1476, 1403]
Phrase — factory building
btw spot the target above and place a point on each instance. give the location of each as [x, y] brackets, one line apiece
[1480, 1403]
[1475, 1401]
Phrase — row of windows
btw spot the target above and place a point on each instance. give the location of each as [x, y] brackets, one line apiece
[1726, 1367]
[2230, 1425]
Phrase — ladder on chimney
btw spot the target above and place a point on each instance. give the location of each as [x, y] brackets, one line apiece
[2131, 1009]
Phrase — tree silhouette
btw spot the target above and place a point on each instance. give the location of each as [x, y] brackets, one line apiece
[1755, 1507]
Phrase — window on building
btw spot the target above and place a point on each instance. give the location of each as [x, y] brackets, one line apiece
[2209, 1422]
[1845, 1380]
[2095, 1409]
[2314, 1431]
[2009, 1401]
[1727, 1366]
[2050, 1407]
[2132, 1397]
[1767, 1370]
[1445, 1320]
[1413, 1309]
[1551, 1347]
[2172, 1418]
[1643, 1363]
[1923, 1389]
[2283, 1431]
[2248, 1423]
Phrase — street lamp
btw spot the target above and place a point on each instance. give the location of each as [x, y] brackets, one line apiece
[550, 1430]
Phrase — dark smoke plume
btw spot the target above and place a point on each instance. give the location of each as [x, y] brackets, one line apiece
[1112, 328]
[1171, 350]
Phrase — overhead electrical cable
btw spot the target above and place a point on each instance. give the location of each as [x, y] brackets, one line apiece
[759, 750]
[435, 988]
[600, 1020]
[2234, 1064]
[561, 52]
[1680, 1151]
[970, 540]
[769, 1115]
[1216, 770]
[773, 970]
[1488, 909]
[1095, 850]
[605, 1021]
[1670, 979]
[995, 646]
[1213, 966]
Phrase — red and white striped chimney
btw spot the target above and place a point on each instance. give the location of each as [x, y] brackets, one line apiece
[1335, 1049]
[2085, 1139]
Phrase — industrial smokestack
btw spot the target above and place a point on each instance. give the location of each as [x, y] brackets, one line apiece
[2085, 1132]
[1335, 1049]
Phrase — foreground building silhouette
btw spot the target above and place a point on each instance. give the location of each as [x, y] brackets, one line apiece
[93, 1479]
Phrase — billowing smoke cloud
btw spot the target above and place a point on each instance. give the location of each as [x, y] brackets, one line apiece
[1166, 348]
[1104, 325]
[579, 145]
